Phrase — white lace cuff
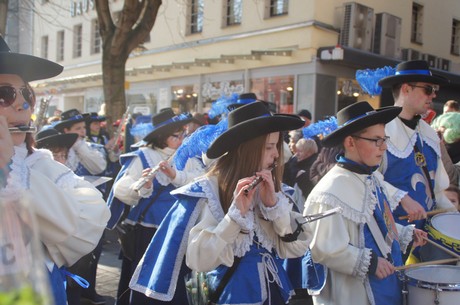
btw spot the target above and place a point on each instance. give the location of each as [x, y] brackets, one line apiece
[245, 222]
[145, 192]
[362, 265]
[394, 202]
[276, 211]
[406, 235]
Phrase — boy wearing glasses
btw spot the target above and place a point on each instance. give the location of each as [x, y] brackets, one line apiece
[413, 160]
[360, 247]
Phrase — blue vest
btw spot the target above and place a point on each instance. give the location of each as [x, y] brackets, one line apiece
[387, 290]
[407, 176]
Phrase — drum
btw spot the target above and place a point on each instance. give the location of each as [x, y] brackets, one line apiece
[444, 229]
[435, 284]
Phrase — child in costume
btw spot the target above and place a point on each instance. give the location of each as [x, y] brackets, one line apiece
[360, 248]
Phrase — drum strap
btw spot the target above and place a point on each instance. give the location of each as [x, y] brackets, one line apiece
[379, 239]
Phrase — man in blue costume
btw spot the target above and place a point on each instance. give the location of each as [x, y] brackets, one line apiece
[413, 160]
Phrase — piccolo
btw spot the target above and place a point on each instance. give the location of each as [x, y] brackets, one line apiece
[22, 128]
[143, 180]
[257, 180]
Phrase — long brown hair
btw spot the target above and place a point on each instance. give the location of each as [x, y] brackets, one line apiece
[243, 161]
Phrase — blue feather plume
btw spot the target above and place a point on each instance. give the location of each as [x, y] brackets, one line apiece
[198, 142]
[220, 105]
[141, 130]
[369, 79]
[323, 128]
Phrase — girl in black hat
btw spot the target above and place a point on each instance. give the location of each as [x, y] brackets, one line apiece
[70, 212]
[360, 248]
[143, 189]
[243, 224]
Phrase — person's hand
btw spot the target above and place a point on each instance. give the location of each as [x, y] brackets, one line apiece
[149, 182]
[267, 188]
[384, 268]
[6, 143]
[243, 200]
[167, 169]
[420, 237]
[414, 210]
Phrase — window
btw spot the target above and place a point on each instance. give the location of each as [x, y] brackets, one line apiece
[455, 40]
[60, 46]
[417, 23]
[77, 40]
[278, 7]
[44, 49]
[278, 90]
[195, 16]
[233, 12]
[95, 37]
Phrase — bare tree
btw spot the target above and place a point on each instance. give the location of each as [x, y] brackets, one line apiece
[135, 22]
[3, 14]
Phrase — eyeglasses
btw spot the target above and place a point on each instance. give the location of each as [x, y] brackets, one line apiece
[428, 89]
[8, 95]
[178, 136]
[378, 142]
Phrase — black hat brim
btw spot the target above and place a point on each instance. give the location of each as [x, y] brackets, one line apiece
[60, 140]
[67, 123]
[380, 116]
[251, 129]
[166, 129]
[29, 67]
[389, 81]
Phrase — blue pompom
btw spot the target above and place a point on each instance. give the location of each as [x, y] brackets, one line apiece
[141, 130]
[220, 105]
[323, 128]
[369, 79]
[198, 142]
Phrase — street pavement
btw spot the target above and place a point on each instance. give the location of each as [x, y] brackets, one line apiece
[108, 272]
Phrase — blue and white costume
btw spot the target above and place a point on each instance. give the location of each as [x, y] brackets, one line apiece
[400, 169]
[70, 212]
[214, 239]
[343, 244]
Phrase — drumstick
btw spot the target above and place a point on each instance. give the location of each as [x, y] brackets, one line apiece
[436, 262]
[430, 213]
[442, 248]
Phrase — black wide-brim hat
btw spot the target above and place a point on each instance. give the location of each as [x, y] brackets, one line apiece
[93, 117]
[356, 117]
[248, 122]
[69, 118]
[48, 138]
[413, 71]
[28, 67]
[167, 122]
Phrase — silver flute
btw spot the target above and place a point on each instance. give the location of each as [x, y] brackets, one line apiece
[23, 128]
[143, 180]
[257, 180]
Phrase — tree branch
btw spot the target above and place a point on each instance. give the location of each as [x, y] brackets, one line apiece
[145, 24]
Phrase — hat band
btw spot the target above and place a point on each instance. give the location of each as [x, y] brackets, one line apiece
[406, 72]
[357, 118]
[76, 117]
[174, 119]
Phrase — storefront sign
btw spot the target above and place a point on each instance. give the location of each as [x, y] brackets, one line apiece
[215, 90]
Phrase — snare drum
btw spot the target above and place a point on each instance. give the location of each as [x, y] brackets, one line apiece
[435, 284]
[444, 229]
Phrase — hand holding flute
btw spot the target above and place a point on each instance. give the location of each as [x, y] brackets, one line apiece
[149, 173]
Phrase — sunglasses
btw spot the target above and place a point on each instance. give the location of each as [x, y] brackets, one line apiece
[8, 95]
[429, 90]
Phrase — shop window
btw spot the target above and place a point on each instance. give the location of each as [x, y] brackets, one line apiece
[184, 98]
[278, 90]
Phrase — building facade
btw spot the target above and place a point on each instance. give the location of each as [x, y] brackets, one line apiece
[298, 54]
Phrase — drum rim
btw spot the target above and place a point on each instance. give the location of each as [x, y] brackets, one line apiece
[430, 285]
[437, 235]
